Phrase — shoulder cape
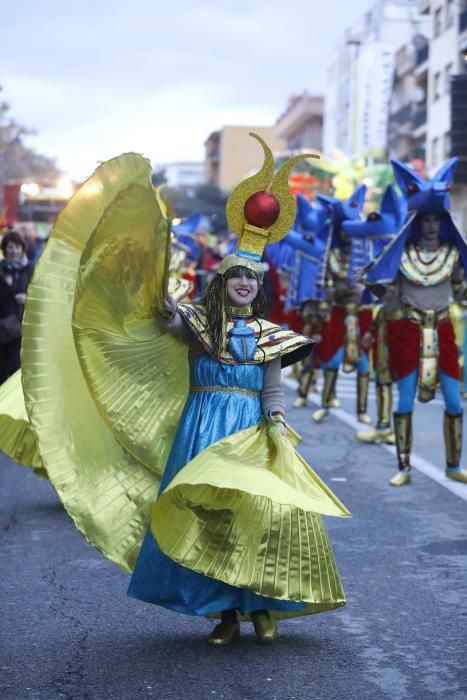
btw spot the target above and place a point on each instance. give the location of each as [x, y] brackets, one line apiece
[272, 340]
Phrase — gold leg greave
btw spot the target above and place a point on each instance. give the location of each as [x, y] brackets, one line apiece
[306, 380]
[352, 338]
[452, 428]
[384, 405]
[403, 432]
[363, 382]
[329, 387]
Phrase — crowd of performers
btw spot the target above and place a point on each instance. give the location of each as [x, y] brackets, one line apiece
[160, 421]
[378, 293]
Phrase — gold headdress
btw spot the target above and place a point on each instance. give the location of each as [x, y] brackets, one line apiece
[259, 215]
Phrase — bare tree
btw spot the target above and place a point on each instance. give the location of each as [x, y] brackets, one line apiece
[18, 161]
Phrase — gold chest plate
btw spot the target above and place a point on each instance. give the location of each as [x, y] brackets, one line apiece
[428, 268]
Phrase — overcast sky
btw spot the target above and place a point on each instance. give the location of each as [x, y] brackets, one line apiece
[96, 78]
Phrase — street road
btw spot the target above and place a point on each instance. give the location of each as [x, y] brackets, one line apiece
[69, 631]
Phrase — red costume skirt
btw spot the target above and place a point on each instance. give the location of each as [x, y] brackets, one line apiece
[333, 333]
[403, 338]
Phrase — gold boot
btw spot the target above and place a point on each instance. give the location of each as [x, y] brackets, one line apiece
[376, 436]
[363, 381]
[314, 388]
[329, 387]
[265, 626]
[334, 402]
[452, 428]
[300, 402]
[224, 633]
[384, 405]
[403, 434]
[320, 415]
[401, 478]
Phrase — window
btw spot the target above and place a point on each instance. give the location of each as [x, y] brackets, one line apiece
[447, 78]
[447, 145]
[450, 13]
[438, 19]
[434, 151]
[436, 86]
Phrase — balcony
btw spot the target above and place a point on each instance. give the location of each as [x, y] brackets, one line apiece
[402, 116]
[421, 55]
[463, 21]
[419, 118]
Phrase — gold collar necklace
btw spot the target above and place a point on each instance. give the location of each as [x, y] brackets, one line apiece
[240, 311]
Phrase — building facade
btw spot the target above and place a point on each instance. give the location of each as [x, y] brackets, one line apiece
[301, 124]
[184, 174]
[408, 113]
[360, 79]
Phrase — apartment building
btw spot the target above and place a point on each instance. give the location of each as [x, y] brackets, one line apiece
[301, 123]
[360, 79]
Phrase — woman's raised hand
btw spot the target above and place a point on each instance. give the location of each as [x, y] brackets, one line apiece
[169, 307]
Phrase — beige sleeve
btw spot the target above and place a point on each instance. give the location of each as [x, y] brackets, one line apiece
[272, 395]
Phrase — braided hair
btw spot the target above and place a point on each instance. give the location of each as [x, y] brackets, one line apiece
[216, 302]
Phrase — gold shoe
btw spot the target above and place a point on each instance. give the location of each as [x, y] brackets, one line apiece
[265, 626]
[376, 436]
[364, 418]
[335, 403]
[224, 633]
[461, 475]
[401, 478]
[300, 402]
[320, 415]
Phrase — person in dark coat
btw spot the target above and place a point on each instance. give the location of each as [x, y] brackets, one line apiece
[15, 274]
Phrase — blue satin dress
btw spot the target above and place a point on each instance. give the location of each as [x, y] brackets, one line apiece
[208, 416]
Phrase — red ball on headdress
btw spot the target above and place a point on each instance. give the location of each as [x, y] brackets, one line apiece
[262, 209]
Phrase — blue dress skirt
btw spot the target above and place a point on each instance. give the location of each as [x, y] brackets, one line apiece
[208, 416]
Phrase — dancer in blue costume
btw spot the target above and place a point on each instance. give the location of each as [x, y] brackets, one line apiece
[377, 232]
[425, 264]
[306, 290]
[235, 359]
[349, 320]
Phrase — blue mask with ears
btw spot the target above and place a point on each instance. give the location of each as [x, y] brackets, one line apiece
[425, 196]
[345, 209]
[384, 223]
[310, 217]
[185, 232]
[379, 228]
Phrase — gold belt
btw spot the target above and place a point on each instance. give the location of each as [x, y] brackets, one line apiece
[428, 318]
[428, 368]
[226, 390]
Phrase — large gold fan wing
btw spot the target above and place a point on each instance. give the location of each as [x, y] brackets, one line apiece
[106, 491]
[137, 374]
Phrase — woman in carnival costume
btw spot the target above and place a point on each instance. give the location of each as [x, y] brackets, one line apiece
[188, 406]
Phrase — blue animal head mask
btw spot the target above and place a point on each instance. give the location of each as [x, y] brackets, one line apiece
[425, 196]
[346, 209]
[386, 221]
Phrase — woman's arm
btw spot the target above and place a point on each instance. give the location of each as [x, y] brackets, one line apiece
[272, 395]
[170, 320]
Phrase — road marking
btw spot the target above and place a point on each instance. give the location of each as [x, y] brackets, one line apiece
[418, 462]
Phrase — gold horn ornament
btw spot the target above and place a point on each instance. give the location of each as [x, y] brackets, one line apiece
[260, 216]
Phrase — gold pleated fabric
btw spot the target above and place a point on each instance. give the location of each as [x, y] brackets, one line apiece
[107, 492]
[137, 374]
[16, 437]
[247, 511]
